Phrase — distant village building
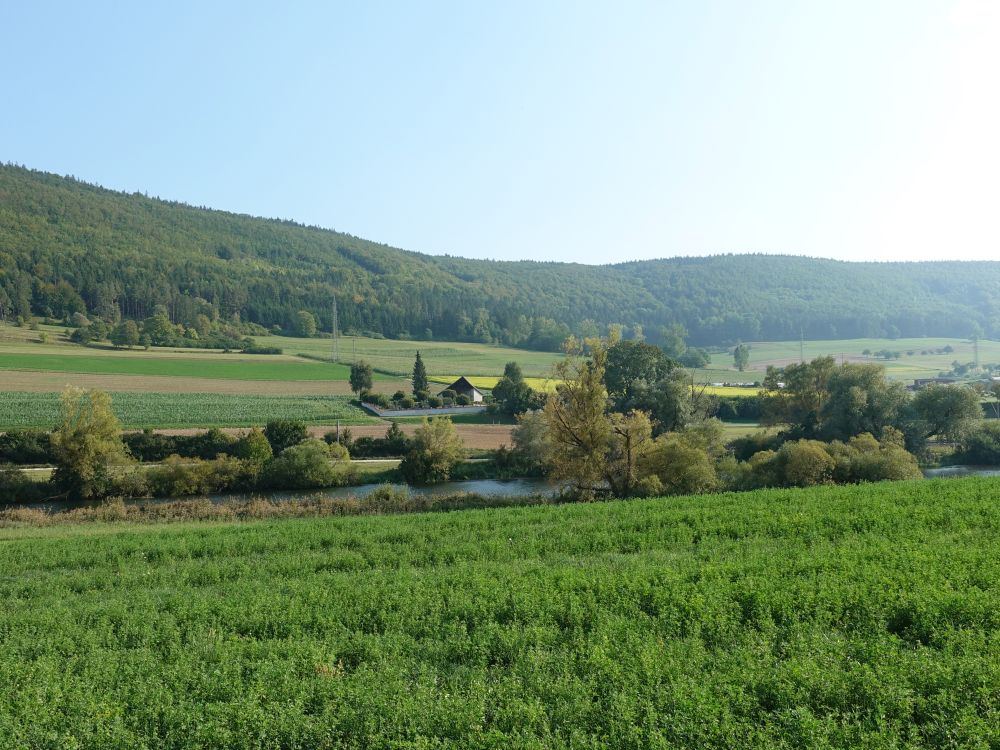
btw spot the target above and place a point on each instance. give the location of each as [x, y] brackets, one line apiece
[463, 387]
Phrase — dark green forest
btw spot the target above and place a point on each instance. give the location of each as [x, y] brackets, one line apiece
[69, 247]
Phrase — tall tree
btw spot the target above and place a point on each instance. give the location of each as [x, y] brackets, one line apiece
[741, 356]
[861, 399]
[512, 395]
[361, 377]
[796, 394]
[576, 414]
[305, 323]
[434, 450]
[87, 443]
[947, 411]
[419, 379]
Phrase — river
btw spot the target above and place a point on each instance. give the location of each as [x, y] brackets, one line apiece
[956, 472]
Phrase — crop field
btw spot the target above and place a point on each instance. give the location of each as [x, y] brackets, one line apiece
[138, 410]
[440, 357]
[226, 367]
[919, 358]
[730, 390]
[837, 617]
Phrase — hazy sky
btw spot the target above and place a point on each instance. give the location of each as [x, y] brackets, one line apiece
[570, 130]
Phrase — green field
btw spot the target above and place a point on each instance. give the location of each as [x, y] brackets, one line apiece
[137, 410]
[223, 367]
[908, 367]
[838, 617]
[440, 357]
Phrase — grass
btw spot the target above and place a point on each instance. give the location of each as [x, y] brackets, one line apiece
[209, 365]
[440, 357]
[922, 363]
[136, 410]
[834, 617]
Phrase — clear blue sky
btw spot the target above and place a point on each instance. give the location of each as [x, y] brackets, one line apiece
[582, 131]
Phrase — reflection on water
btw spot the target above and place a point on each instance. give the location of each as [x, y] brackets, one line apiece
[493, 487]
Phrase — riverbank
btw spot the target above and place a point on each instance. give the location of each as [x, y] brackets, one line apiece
[380, 500]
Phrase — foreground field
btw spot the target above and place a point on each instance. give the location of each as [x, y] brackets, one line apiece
[138, 410]
[841, 617]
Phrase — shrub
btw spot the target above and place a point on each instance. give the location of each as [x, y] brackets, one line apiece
[981, 445]
[398, 396]
[680, 467]
[284, 433]
[434, 451]
[378, 399]
[388, 497]
[805, 463]
[303, 466]
[434, 402]
[463, 400]
[345, 437]
[406, 402]
[178, 476]
[254, 450]
[15, 487]
[26, 447]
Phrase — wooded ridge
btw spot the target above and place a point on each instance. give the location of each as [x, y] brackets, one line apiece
[67, 246]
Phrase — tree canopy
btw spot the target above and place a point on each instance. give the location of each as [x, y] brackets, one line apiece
[68, 248]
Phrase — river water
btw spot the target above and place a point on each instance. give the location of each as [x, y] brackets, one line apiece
[485, 487]
[956, 472]
[491, 487]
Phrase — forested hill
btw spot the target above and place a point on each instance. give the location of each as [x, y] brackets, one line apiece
[66, 246]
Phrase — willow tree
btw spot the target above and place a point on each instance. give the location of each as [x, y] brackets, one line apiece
[87, 442]
[576, 415]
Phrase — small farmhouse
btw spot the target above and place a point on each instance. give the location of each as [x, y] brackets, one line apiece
[464, 388]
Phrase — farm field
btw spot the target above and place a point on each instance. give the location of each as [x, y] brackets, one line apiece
[207, 365]
[139, 410]
[922, 363]
[836, 617]
[440, 357]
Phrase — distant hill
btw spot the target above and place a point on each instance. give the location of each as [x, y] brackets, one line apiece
[66, 246]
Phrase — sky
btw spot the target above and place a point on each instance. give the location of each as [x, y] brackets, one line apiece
[558, 130]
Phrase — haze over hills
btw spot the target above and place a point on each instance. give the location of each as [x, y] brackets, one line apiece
[67, 246]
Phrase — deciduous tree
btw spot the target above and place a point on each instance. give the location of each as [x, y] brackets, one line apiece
[87, 443]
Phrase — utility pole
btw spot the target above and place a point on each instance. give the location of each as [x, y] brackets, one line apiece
[802, 347]
[333, 328]
[975, 345]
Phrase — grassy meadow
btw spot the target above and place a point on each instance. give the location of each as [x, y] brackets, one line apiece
[862, 616]
[918, 358]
